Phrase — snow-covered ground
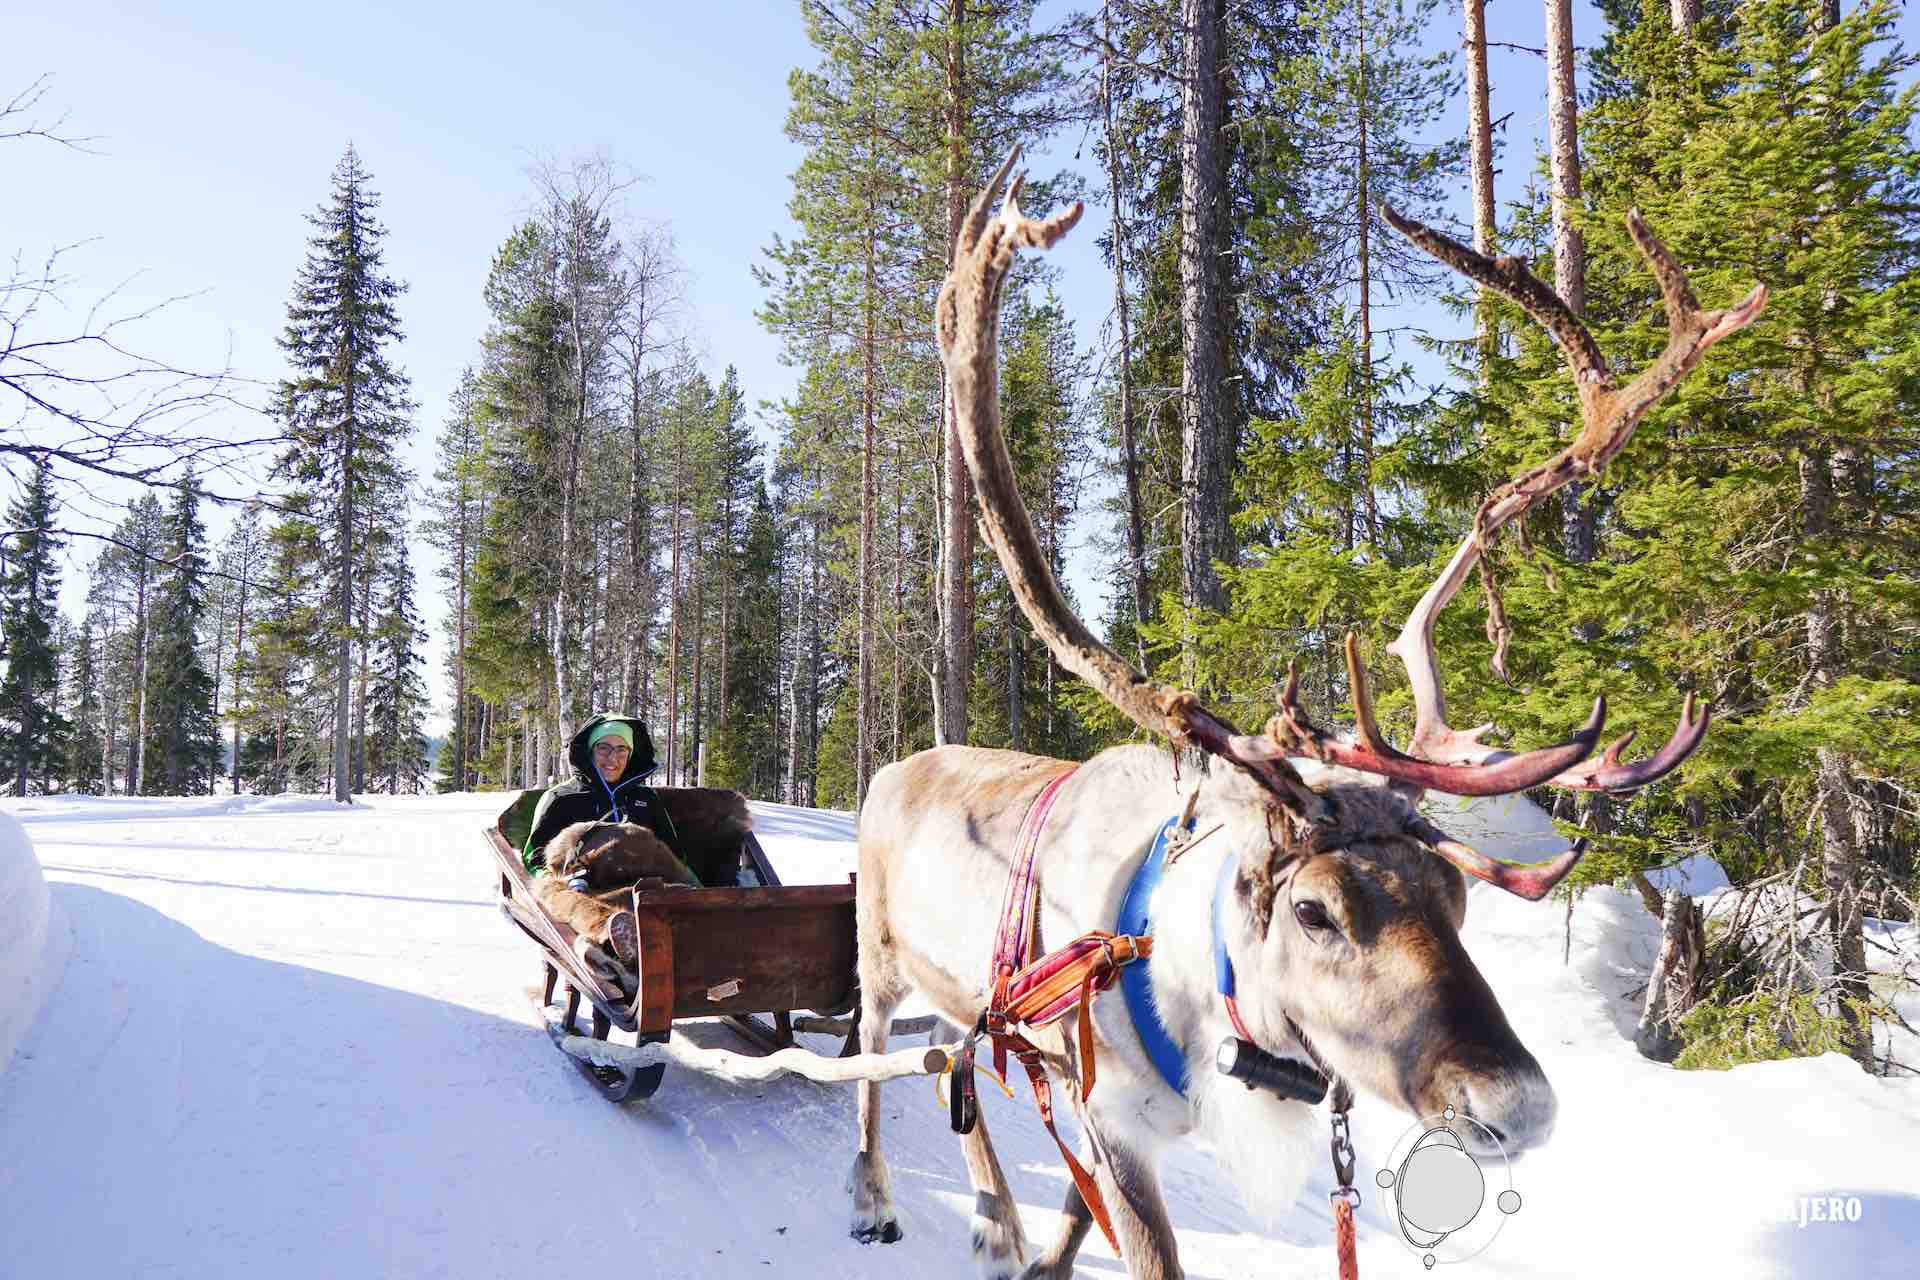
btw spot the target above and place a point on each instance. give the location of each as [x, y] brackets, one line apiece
[284, 1039]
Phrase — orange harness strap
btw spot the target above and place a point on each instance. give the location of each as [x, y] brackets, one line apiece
[1040, 992]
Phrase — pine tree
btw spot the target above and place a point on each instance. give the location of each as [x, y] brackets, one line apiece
[1370, 97]
[243, 561]
[34, 737]
[458, 503]
[130, 568]
[345, 410]
[183, 737]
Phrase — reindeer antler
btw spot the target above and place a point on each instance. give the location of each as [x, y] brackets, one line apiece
[1609, 415]
[967, 325]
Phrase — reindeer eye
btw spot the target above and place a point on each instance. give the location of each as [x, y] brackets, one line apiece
[1311, 915]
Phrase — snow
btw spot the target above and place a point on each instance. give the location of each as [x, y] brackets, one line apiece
[292, 1039]
[33, 939]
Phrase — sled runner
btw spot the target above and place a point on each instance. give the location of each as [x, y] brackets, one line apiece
[743, 949]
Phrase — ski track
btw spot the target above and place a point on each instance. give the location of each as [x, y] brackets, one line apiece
[291, 1039]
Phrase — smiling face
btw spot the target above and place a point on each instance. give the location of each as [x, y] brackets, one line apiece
[1359, 942]
[610, 756]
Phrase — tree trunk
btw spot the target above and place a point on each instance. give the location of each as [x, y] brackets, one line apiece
[1671, 987]
[813, 669]
[343, 651]
[696, 696]
[137, 749]
[639, 547]
[360, 676]
[1014, 727]
[461, 745]
[1569, 245]
[1578, 515]
[899, 589]
[239, 641]
[956, 542]
[1363, 213]
[1833, 783]
[1203, 455]
[27, 718]
[109, 708]
[869, 390]
[1480, 151]
[1136, 523]
[673, 636]
[1685, 13]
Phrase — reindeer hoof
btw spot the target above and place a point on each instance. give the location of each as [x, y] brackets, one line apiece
[887, 1232]
[624, 934]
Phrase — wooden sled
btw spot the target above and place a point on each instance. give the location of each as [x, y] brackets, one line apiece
[744, 949]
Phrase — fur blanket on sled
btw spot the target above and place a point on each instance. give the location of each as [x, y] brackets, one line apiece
[609, 858]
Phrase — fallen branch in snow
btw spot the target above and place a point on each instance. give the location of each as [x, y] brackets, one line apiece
[742, 1068]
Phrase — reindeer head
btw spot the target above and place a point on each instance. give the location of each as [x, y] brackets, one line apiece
[1344, 935]
[1341, 921]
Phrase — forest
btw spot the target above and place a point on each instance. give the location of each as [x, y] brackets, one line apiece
[794, 593]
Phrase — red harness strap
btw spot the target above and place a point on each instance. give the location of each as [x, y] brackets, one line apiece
[1036, 993]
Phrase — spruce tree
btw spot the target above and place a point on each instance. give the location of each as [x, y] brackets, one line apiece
[397, 692]
[183, 749]
[345, 408]
[746, 745]
[284, 700]
[1777, 143]
[34, 736]
[85, 748]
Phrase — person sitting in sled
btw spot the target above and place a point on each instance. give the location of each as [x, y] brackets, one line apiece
[612, 757]
[598, 832]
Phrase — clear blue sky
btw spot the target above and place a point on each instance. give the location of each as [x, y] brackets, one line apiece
[218, 124]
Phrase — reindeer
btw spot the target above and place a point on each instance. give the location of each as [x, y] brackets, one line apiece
[1317, 880]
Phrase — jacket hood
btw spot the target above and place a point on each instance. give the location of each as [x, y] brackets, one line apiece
[639, 764]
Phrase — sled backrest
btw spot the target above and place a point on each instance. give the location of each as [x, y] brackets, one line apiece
[516, 822]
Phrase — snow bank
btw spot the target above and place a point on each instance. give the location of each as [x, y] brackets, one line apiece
[29, 966]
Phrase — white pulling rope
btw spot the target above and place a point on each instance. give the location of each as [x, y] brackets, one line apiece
[744, 1067]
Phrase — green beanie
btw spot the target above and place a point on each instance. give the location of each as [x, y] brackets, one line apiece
[612, 729]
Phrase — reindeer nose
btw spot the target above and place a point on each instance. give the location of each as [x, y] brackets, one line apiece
[1516, 1107]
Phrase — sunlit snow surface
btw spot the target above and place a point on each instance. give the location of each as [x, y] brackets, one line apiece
[285, 1039]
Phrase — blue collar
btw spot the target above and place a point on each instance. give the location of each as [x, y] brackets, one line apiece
[1136, 979]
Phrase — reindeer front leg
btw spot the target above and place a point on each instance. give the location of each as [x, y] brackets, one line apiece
[875, 1220]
